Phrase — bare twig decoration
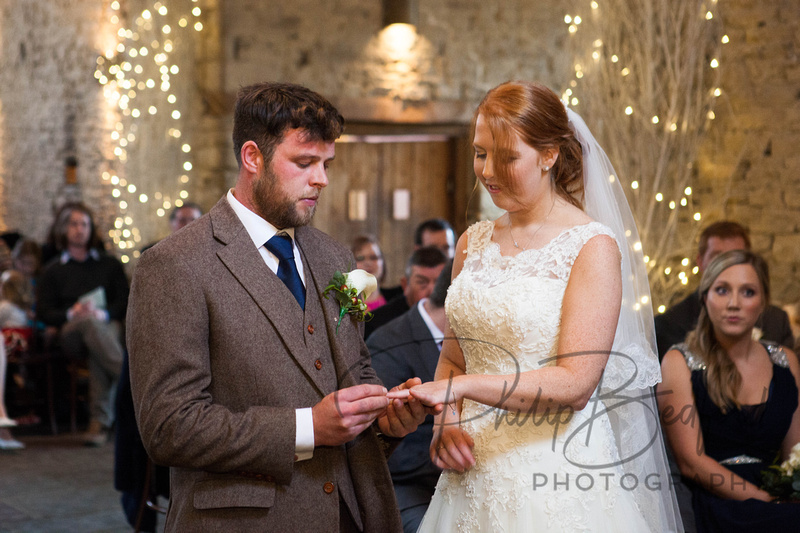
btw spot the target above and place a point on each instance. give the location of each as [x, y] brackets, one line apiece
[646, 79]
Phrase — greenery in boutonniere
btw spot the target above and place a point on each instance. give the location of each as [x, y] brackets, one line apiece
[783, 481]
[346, 288]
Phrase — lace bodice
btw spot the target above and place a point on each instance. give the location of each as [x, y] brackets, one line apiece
[506, 311]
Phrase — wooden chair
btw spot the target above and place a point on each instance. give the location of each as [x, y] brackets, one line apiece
[150, 492]
[25, 351]
[27, 348]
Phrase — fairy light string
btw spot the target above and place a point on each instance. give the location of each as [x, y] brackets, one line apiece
[613, 60]
[139, 75]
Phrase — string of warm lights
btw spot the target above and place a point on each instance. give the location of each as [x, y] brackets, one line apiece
[138, 75]
[621, 69]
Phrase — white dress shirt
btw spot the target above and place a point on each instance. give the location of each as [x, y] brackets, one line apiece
[260, 232]
[436, 333]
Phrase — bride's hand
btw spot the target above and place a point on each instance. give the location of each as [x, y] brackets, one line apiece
[451, 448]
[438, 392]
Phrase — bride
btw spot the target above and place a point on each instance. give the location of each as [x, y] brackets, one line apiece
[548, 366]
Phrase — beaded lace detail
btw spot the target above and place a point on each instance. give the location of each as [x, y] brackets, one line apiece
[776, 354]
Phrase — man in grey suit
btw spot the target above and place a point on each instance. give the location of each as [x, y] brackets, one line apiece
[407, 347]
[265, 408]
[673, 325]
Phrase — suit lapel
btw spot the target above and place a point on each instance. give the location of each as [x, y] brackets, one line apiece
[244, 262]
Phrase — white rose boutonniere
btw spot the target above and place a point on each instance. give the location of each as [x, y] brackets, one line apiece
[346, 288]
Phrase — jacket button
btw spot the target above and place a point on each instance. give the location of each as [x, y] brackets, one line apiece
[318, 364]
[310, 329]
[328, 487]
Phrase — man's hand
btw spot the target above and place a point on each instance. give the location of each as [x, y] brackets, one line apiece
[402, 418]
[343, 414]
[80, 310]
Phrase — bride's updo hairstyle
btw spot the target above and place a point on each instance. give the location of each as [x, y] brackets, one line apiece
[535, 113]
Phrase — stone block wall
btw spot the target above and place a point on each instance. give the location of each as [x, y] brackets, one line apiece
[749, 167]
[50, 109]
[463, 47]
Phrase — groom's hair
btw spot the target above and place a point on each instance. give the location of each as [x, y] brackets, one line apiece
[265, 111]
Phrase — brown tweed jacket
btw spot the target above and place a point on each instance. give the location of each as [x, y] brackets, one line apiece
[220, 358]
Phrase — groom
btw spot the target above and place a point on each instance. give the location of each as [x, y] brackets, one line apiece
[270, 417]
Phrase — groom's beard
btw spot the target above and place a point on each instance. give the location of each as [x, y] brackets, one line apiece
[274, 204]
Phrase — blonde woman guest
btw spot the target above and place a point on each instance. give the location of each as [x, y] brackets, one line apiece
[729, 404]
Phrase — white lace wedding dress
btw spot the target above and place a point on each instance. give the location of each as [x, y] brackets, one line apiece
[532, 472]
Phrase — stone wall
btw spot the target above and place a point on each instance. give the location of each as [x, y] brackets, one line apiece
[749, 166]
[464, 47]
[50, 109]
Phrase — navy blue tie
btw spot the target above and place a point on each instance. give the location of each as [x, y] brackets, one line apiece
[281, 246]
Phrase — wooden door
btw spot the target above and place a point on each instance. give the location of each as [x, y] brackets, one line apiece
[379, 166]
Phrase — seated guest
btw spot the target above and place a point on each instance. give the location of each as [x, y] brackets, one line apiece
[422, 269]
[84, 293]
[181, 216]
[673, 325]
[27, 259]
[408, 347]
[16, 300]
[369, 258]
[15, 304]
[436, 232]
[49, 247]
[729, 404]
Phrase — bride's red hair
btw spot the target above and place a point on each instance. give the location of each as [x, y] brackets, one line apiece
[535, 113]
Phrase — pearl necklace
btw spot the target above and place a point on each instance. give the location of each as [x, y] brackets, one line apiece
[510, 232]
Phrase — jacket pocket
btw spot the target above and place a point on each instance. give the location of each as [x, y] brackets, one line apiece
[233, 492]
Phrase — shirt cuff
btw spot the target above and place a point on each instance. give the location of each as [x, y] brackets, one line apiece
[304, 439]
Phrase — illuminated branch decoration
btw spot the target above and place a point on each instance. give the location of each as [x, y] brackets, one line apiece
[647, 79]
[138, 74]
